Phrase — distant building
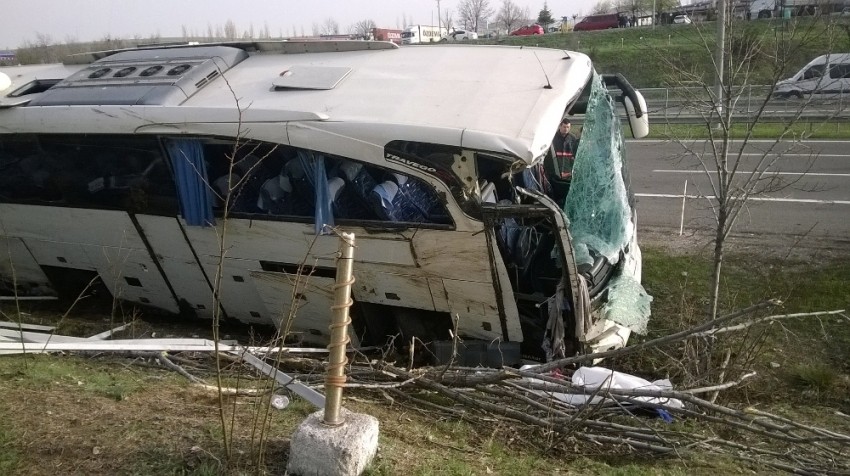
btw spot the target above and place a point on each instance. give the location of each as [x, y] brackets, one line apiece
[7, 56]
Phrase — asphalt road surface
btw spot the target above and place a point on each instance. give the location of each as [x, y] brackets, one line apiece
[808, 189]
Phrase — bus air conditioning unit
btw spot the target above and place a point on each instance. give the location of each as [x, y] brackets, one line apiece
[160, 77]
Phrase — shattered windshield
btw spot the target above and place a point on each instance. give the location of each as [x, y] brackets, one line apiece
[599, 211]
[597, 204]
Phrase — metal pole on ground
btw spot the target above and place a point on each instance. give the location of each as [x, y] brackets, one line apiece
[336, 441]
[335, 376]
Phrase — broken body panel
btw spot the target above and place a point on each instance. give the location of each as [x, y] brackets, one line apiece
[173, 172]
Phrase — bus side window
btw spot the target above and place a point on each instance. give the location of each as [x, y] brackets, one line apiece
[25, 172]
[277, 181]
[372, 193]
[93, 171]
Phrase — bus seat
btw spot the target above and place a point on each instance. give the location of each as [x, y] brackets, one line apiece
[220, 187]
[354, 202]
[335, 186]
[488, 191]
[360, 179]
[303, 193]
[271, 197]
[421, 196]
[392, 205]
[247, 165]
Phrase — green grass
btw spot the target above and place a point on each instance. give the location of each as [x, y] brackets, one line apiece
[10, 456]
[682, 55]
[679, 284]
[690, 47]
[819, 378]
[40, 371]
[813, 348]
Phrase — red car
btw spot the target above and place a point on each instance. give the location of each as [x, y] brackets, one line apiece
[528, 30]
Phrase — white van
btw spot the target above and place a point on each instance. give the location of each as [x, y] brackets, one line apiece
[207, 181]
[461, 35]
[826, 74]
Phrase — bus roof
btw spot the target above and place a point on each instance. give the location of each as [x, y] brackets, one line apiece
[496, 98]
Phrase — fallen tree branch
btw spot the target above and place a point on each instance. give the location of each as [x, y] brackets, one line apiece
[162, 357]
[722, 386]
[555, 364]
[760, 320]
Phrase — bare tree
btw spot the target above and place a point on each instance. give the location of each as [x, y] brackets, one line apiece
[604, 6]
[474, 12]
[509, 16]
[725, 101]
[363, 28]
[448, 19]
[525, 13]
[634, 7]
[230, 32]
[665, 5]
[330, 27]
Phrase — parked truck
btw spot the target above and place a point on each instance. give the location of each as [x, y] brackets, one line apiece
[385, 34]
[423, 34]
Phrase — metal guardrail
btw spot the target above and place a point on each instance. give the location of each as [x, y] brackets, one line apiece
[690, 105]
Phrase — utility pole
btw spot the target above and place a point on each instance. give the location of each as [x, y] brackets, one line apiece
[439, 18]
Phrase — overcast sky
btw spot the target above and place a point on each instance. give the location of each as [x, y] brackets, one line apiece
[84, 20]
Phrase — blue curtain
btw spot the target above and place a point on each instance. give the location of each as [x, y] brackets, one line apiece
[187, 157]
[314, 165]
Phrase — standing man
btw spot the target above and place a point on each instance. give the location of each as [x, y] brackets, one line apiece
[559, 164]
[565, 144]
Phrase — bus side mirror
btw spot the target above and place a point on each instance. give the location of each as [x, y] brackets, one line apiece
[633, 100]
[638, 124]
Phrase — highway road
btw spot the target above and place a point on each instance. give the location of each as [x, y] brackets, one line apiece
[813, 178]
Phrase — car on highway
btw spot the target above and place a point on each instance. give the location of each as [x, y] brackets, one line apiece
[824, 75]
[462, 35]
[599, 22]
[682, 20]
[528, 30]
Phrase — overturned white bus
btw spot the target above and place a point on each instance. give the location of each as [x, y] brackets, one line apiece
[203, 179]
